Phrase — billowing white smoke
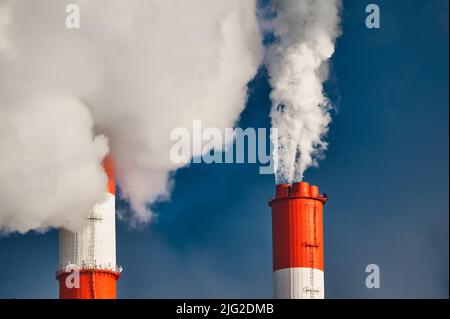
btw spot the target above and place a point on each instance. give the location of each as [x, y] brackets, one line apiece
[135, 70]
[305, 33]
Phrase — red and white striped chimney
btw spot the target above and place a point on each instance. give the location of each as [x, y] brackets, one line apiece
[297, 233]
[87, 259]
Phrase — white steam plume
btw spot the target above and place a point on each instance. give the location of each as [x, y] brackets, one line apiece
[305, 32]
[135, 70]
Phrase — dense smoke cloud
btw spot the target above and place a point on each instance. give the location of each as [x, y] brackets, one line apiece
[134, 71]
[305, 32]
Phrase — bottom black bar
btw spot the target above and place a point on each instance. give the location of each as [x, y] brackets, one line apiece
[226, 308]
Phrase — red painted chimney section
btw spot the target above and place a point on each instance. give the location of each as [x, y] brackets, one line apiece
[297, 233]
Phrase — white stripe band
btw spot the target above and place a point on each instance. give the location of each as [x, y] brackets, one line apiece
[95, 245]
[298, 283]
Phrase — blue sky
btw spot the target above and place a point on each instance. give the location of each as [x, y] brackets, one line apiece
[386, 174]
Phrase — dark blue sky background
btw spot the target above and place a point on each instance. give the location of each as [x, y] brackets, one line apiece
[386, 173]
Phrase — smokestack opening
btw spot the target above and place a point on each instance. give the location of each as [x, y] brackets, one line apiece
[298, 190]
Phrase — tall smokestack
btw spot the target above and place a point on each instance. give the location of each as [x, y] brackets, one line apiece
[297, 233]
[91, 252]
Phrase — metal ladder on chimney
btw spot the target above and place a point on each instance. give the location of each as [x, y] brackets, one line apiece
[92, 219]
[311, 290]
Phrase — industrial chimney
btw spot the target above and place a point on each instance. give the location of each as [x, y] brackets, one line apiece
[87, 259]
[297, 234]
